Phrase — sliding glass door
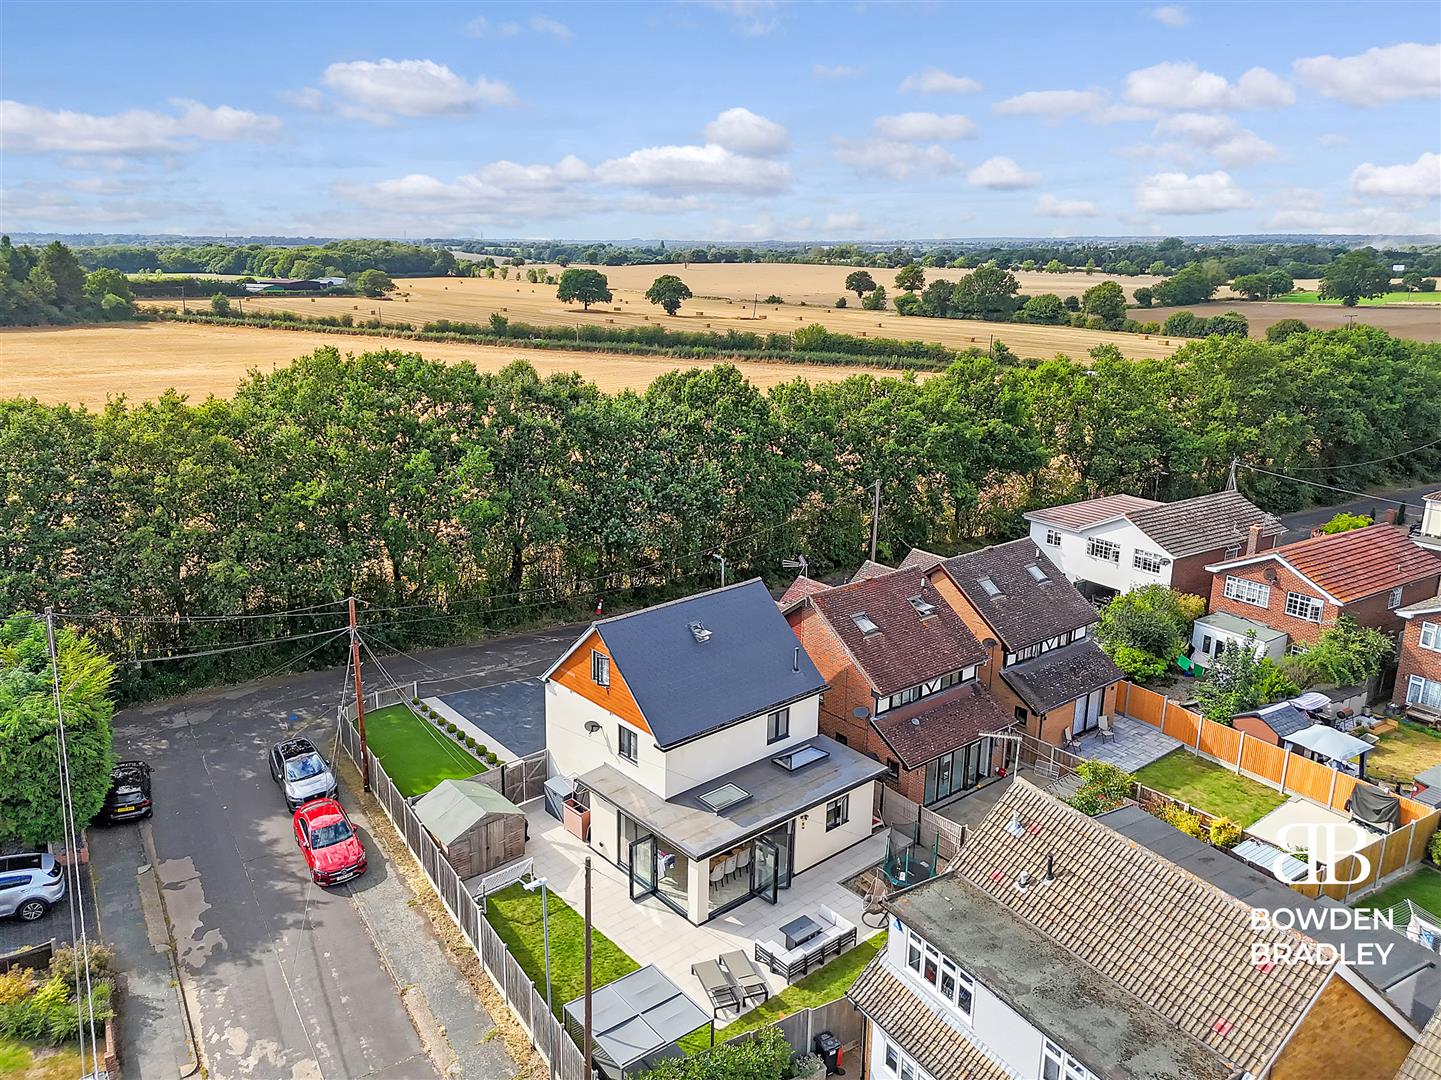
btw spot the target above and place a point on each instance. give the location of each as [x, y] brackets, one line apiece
[958, 771]
[642, 867]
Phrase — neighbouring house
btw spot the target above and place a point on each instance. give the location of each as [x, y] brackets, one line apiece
[1043, 668]
[476, 826]
[1058, 948]
[263, 286]
[1272, 723]
[1427, 532]
[1418, 666]
[1303, 588]
[903, 671]
[692, 730]
[1119, 542]
[1213, 632]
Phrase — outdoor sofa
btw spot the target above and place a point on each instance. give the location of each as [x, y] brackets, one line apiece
[836, 936]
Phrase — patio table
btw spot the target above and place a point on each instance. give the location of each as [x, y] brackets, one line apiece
[798, 931]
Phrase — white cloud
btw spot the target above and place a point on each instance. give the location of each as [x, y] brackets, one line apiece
[834, 71]
[926, 127]
[540, 24]
[1371, 221]
[694, 168]
[935, 81]
[1054, 104]
[29, 129]
[898, 160]
[1050, 206]
[1333, 138]
[1221, 136]
[1182, 85]
[411, 88]
[1377, 75]
[1170, 15]
[1419, 180]
[1177, 193]
[753, 18]
[1002, 174]
[481, 27]
[745, 132]
[1121, 114]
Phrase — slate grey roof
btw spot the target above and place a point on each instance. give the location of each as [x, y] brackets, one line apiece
[1062, 675]
[686, 688]
[453, 807]
[1204, 523]
[776, 795]
[1283, 718]
[1407, 960]
[1024, 611]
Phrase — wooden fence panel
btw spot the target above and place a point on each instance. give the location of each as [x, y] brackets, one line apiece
[1396, 847]
[1181, 724]
[1411, 810]
[1308, 779]
[1144, 705]
[1123, 697]
[1221, 742]
[1263, 760]
[1345, 785]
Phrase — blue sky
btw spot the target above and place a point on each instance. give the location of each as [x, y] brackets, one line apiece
[724, 120]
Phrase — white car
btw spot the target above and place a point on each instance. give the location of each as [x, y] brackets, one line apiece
[30, 885]
[300, 771]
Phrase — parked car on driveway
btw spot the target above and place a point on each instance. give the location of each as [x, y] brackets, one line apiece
[327, 839]
[30, 884]
[129, 794]
[302, 773]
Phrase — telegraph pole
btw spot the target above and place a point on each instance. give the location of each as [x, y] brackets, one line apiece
[1231, 475]
[585, 1042]
[875, 518]
[359, 699]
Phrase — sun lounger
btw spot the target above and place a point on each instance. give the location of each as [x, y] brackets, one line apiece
[722, 992]
[743, 973]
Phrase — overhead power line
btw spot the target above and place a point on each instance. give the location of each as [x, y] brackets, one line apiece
[1318, 484]
[1373, 461]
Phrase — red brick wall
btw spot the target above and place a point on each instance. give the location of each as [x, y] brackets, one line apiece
[1370, 611]
[1415, 660]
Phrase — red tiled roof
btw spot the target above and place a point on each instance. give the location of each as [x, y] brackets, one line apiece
[1356, 564]
[869, 569]
[800, 588]
[1079, 515]
[930, 727]
[905, 649]
[1433, 496]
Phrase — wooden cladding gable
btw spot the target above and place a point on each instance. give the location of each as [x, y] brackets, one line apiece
[574, 673]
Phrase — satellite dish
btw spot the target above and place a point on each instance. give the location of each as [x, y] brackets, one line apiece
[1271, 575]
[860, 712]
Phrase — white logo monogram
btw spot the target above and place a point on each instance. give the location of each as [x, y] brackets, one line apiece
[1337, 839]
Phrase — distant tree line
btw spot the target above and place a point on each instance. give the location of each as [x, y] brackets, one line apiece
[338, 258]
[478, 501]
[47, 286]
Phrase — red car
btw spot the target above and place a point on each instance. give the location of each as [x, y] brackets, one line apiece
[328, 841]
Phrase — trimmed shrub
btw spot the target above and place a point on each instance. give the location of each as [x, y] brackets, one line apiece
[1183, 819]
[1224, 833]
[1103, 787]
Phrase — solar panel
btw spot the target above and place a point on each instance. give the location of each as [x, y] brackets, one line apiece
[726, 795]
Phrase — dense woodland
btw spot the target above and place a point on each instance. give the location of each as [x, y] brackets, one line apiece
[341, 258]
[486, 500]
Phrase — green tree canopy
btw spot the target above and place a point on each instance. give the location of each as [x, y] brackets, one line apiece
[1144, 630]
[1238, 681]
[30, 806]
[860, 282]
[1347, 654]
[1107, 301]
[1344, 522]
[373, 282]
[668, 291]
[587, 286]
[911, 277]
[1280, 331]
[1355, 276]
[875, 299]
[986, 293]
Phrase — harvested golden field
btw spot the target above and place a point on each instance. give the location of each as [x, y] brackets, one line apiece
[421, 300]
[87, 364]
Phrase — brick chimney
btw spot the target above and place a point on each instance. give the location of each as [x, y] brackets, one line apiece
[1253, 539]
[1389, 517]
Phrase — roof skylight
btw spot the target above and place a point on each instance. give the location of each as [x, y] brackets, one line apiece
[923, 606]
[800, 757]
[724, 797]
[988, 585]
[863, 623]
[1037, 574]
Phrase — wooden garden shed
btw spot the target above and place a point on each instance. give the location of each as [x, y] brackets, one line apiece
[476, 826]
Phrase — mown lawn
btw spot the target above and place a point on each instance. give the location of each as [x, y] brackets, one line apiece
[1384, 298]
[1211, 787]
[1403, 753]
[413, 753]
[1423, 888]
[817, 988]
[37, 1061]
[515, 914]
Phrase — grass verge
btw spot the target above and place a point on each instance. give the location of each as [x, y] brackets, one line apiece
[1423, 888]
[414, 754]
[39, 1061]
[1210, 787]
[1384, 298]
[817, 988]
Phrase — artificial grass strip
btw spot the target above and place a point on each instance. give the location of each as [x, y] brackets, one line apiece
[414, 755]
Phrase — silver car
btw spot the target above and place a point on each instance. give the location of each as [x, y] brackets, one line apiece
[301, 772]
[30, 885]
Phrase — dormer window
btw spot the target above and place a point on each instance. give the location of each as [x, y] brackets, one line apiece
[924, 608]
[988, 586]
[864, 624]
[599, 668]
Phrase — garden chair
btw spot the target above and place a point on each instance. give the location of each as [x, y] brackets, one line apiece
[1103, 727]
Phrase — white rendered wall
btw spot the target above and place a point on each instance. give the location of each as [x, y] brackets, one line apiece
[1078, 566]
[576, 751]
[814, 844]
[730, 748]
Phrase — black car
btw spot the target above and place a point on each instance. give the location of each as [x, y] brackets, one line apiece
[129, 794]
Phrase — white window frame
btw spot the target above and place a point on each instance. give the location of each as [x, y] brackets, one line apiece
[599, 668]
[1430, 636]
[1423, 691]
[1148, 562]
[626, 737]
[1103, 550]
[1394, 600]
[920, 953]
[778, 725]
[1063, 1065]
[1053, 537]
[1304, 607]
[842, 811]
[1255, 593]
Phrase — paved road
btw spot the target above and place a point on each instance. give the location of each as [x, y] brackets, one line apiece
[286, 976]
[1302, 522]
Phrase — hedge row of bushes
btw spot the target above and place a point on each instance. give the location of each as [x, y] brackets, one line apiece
[479, 749]
[43, 1007]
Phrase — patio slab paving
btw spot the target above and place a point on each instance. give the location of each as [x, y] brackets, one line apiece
[652, 933]
[1135, 745]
